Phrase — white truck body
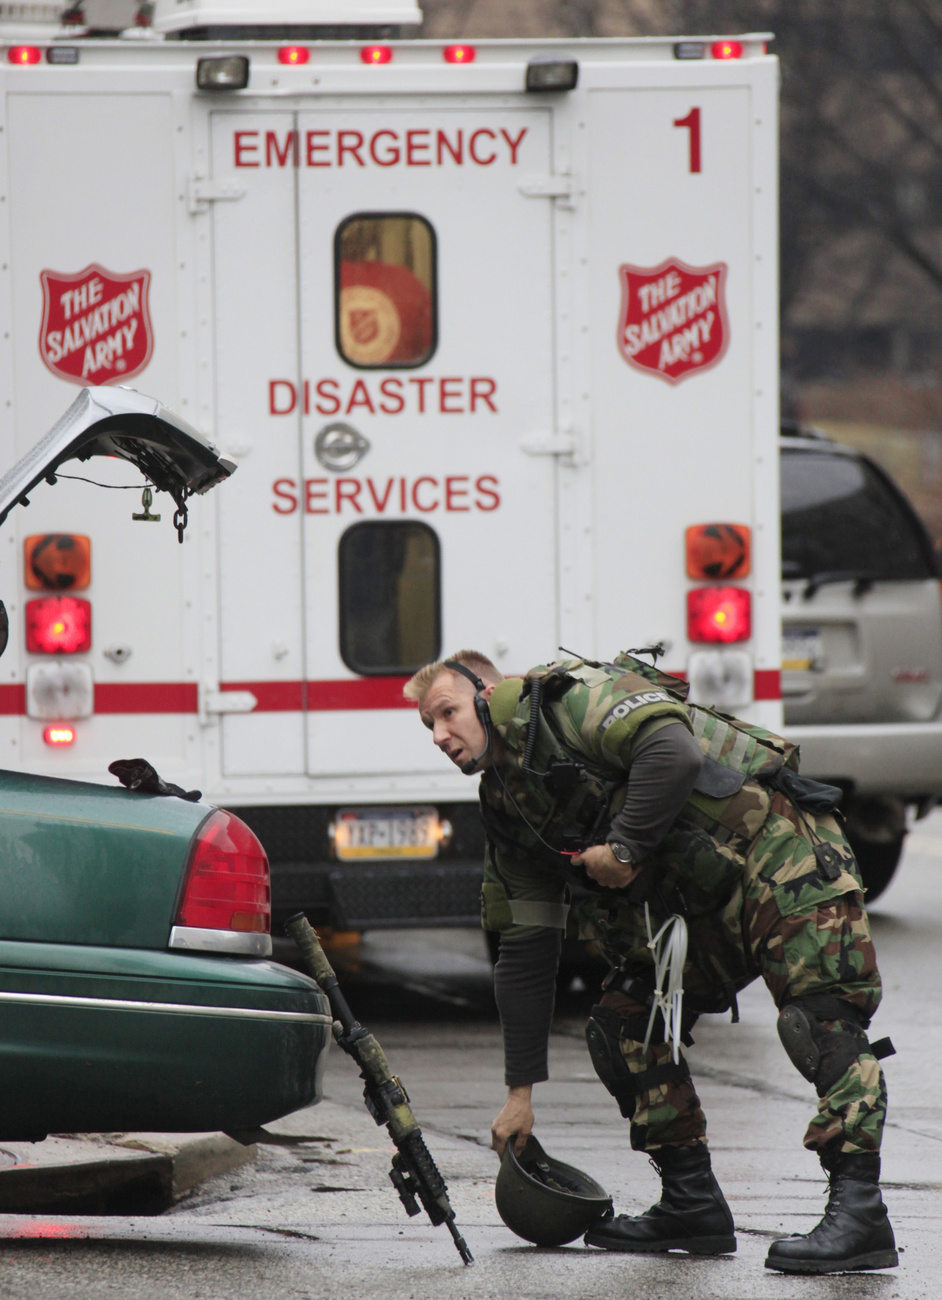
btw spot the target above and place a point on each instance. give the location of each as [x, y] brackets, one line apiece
[601, 374]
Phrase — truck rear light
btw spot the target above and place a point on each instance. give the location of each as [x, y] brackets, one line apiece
[726, 49]
[376, 54]
[228, 73]
[718, 551]
[24, 54]
[719, 614]
[59, 737]
[459, 53]
[57, 562]
[227, 883]
[58, 625]
[293, 55]
[62, 55]
[552, 74]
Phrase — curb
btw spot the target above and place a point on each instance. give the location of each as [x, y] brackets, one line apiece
[112, 1173]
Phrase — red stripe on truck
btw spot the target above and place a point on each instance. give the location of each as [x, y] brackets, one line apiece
[280, 697]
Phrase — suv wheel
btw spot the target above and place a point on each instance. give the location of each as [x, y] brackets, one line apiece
[876, 830]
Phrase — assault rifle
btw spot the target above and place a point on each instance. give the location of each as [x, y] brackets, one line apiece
[413, 1174]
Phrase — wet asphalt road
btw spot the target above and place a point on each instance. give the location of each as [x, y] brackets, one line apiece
[316, 1217]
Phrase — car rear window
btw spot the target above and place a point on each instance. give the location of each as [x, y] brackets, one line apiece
[841, 515]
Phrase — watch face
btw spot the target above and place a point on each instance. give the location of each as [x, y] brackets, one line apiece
[621, 852]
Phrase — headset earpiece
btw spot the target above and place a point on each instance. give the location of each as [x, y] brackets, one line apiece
[480, 708]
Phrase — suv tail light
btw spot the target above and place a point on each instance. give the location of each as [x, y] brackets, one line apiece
[721, 614]
[227, 883]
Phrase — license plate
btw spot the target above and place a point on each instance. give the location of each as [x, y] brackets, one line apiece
[802, 649]
[376, 834]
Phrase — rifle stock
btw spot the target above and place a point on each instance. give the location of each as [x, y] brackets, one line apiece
[414, 1173]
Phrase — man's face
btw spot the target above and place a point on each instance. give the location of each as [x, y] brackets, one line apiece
[448, 711]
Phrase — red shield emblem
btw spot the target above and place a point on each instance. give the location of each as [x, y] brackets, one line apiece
[96, 325]
[673, 318]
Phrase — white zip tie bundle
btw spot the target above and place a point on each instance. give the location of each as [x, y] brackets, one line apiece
[669, 948]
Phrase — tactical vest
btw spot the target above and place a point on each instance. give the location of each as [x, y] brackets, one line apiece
[551, 809]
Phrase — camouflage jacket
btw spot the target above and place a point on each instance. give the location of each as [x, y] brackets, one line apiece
[596, 715]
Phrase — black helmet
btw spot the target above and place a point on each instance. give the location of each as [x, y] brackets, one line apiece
[545, 1201]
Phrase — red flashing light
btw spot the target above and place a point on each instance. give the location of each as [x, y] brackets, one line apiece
[376, 54]
[58, 625]
[22, 55]
[719, 614]
[59, 735]
[227, 882]
[459, 53]
[726, 49]
[293, 55]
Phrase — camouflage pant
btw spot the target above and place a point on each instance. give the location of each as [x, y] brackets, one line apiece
[804, 935]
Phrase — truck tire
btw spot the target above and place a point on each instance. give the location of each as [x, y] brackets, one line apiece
[876, 831]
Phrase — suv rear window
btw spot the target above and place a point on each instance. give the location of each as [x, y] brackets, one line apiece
[840, 514]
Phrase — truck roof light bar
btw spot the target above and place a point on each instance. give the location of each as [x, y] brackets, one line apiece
[231, 72]
[293, 55]
[552, 74]
[726, 49]
[375, 54]
[23, 55]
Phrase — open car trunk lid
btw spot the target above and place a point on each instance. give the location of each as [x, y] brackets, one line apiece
[120, 422]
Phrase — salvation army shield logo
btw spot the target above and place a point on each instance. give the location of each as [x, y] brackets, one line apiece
[96, 325]
[673, 319]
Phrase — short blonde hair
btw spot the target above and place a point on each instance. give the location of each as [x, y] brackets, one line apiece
[417, 687]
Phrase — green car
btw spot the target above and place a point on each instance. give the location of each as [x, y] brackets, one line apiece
[134, 922]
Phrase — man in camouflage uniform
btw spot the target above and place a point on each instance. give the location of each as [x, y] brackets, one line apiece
[602, 790]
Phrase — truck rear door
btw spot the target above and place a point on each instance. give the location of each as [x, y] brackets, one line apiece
[396, 395]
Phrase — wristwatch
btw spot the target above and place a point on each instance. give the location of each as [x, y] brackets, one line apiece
[621, 851]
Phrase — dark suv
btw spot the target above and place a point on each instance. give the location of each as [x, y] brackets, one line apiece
[861, 641]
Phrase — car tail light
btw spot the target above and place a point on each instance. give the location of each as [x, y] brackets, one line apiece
[57, 562]
[293, 55]
[376, 54]
[459, 53]
[227, 881]
[58, 625]
[59, 736]
[719, 551]
[24, 54]
[720, 614]
[726, 49]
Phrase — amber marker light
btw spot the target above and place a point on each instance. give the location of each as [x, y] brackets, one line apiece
[717, 551]
[459, 53]
[22, 55]
[376, 54]
[59, 735]
[293, 55]
[726, 49]
[57, 562]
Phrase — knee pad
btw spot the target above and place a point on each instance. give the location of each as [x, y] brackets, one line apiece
[603, 1033]
[602, 1036]
[819, 1054]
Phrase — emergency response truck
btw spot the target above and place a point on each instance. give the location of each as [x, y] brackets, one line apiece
[491, 330]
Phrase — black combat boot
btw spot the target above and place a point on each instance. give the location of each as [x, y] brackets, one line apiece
[855, 1232]
[691, 1215]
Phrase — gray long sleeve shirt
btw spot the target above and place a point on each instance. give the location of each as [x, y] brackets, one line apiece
[660, 781]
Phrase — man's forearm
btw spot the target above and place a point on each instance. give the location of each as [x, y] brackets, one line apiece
[525, 992]
[660, 781]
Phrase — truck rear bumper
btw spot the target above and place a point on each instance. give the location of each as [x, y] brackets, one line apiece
[377, 895]
[877, 758]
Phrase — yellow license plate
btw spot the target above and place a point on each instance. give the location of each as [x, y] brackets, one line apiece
[380, 834]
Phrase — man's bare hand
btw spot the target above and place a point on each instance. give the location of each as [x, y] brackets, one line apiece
[516, 1116]
[602, 865]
